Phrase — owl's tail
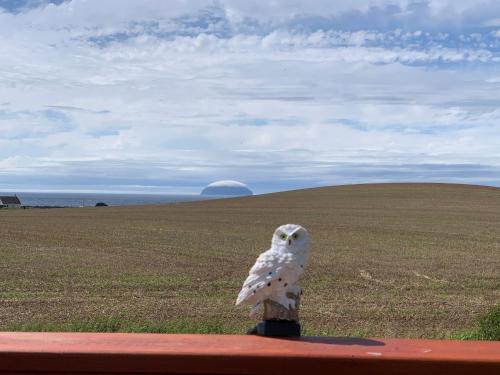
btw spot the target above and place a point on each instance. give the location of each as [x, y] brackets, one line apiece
[254, 309]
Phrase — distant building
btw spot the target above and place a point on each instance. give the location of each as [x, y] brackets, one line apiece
[10, 201]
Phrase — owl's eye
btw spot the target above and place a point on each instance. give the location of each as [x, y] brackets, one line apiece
[295, 236]
[283, 236]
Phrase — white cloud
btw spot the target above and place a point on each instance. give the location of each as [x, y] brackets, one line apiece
[87, 90]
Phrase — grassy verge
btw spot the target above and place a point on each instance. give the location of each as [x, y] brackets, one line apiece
[119, 324]
[488, 327]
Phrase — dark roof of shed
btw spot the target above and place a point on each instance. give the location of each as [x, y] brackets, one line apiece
[9, 200]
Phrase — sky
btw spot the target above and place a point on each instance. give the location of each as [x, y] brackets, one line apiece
[168, 96]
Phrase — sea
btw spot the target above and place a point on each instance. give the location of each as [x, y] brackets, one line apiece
[90, 199]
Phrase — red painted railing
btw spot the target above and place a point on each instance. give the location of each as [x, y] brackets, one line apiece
[220, 354]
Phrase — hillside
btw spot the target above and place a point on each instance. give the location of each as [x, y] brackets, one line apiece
[409, 260]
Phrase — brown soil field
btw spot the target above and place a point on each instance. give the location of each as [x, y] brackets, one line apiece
[392, 260]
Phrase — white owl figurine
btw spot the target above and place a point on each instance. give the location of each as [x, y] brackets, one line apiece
[277, 269]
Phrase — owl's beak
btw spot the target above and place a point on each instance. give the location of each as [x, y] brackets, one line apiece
[289, 242]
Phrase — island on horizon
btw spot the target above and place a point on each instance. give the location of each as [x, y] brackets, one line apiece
[227, 187]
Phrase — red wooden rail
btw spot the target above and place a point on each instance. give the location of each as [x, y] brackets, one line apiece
[65, 353]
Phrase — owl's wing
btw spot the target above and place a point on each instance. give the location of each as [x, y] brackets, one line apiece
[267, 268]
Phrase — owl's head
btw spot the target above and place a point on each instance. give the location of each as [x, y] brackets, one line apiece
[291, 238]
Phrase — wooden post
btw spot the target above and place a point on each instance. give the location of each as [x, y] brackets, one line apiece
[278, 321]
[276, 311]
